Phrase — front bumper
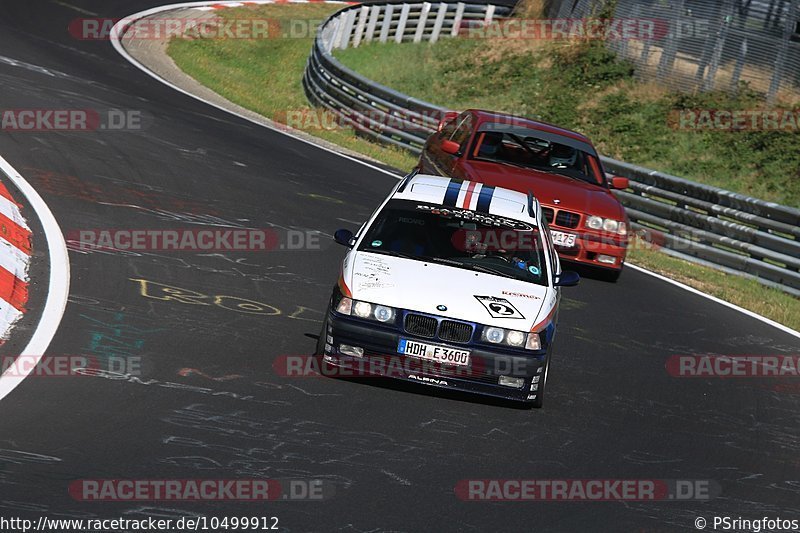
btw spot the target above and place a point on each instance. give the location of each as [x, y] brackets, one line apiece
[590, 248]
[380, 358]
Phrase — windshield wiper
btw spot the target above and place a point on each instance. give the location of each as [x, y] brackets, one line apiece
[487, 270]
[502, 162]
[415, 257]
[394, 253]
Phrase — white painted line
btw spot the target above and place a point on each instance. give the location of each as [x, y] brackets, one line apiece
[117, 31]
[11, 211]
[747, 312]
[57, 290]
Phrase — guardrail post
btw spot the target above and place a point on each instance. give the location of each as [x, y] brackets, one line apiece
[347, 30]
[457, 20]
[423, 19]
[374, 13]
[362, 22]
[338, 32]
[437, 24]
[401, 24]
[489, 15]
[387, 23]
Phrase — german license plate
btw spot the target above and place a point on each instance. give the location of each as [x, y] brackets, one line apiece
[433, 352]
[563, 239]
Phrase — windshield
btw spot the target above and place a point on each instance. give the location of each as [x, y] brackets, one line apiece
[459, 238]
[525, 149]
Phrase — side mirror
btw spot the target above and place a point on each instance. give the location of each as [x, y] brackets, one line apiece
[343, 237]
[568, 278]
[618, 182]
[450, 115]
[451, 147]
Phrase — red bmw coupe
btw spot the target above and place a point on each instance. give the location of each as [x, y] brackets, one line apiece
[560, 167]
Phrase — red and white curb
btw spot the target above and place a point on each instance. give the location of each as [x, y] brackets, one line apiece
[15, 255]
[223, 5]
[15, 251]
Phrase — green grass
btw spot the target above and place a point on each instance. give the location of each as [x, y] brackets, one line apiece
[624, 119]
[264, 75]
[744, 292]
[586, 88]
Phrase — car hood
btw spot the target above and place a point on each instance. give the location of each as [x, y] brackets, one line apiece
[467, 295]
[572, 194]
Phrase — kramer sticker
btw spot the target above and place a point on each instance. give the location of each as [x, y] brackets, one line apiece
[499, 307]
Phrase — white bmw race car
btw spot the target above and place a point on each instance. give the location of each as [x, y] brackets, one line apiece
[451, 284]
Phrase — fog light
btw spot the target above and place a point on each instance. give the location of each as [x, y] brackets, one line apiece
[508, 381]
[353, 351]
[608, 259]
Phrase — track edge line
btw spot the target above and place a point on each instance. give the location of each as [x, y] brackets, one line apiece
[57, 288]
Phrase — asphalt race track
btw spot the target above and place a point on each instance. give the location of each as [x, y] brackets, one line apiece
[393, 454]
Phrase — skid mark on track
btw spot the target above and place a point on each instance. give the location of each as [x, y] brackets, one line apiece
[281, 445]
[397, 479]
[184, 372]
[117, 191]
[157, 384]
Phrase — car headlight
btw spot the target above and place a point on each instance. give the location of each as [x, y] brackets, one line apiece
[610, 225]
[362, 309]
[381, 313]
[510, 337]
[606, 224]
[494, 335]
[594, 222]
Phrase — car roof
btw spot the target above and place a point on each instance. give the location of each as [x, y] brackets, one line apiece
[461, 194]
[484, 117]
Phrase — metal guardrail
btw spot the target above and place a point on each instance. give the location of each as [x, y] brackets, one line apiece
[696, 220]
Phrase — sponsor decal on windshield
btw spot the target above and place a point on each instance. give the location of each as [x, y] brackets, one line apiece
[472, 216]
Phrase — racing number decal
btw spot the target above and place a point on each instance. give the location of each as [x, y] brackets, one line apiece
[499, 307]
